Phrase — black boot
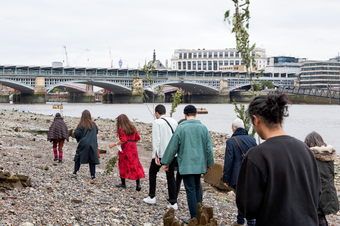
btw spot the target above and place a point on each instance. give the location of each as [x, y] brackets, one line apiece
[55, 158]
[138, 186]
[122, 185]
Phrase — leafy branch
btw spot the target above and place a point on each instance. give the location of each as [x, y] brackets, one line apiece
[243, 115]
[176, 100]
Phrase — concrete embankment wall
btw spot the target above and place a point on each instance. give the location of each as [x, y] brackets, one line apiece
[304, 99]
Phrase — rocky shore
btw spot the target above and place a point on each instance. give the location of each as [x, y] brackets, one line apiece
[54, 198]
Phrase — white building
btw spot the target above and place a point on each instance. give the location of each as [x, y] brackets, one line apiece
[215, 59]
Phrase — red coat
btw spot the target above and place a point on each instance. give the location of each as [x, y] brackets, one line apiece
[128, 162]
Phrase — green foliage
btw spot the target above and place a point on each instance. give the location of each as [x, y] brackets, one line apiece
[268, 84]
[243, 115]
[240, 22]
[148, 70]
[176, 101]
[110, 165]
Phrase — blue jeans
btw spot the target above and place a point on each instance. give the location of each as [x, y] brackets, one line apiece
[192, 188]
[240, 217]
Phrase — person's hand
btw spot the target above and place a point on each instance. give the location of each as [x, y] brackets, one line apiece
[157, 161]
[226, 184]
[112, 145]
[166, 168]
[209, 168]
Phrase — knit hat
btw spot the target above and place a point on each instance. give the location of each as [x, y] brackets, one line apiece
[190, 109]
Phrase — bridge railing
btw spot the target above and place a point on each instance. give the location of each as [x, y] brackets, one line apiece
[328, 93]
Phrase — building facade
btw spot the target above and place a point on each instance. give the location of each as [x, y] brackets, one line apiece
[281, 66]
[215, 59]
[320, 74]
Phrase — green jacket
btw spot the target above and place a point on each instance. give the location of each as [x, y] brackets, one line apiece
[192, 144]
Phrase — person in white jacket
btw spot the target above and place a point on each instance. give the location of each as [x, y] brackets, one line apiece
[162, 130]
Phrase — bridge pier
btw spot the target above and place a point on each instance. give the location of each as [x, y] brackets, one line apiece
[87, 97]
[210, 98]
[107, 98]
[4, 97]
[126, 98]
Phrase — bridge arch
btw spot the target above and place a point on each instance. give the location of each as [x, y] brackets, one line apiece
[109, 85]
[22, 87]
[190, 86]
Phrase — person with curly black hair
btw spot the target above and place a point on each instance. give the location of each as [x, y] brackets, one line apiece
[278, 182]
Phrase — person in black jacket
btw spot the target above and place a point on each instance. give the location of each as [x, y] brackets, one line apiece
[278, 183]
[233, 159]
[87, 150]
[325, 156]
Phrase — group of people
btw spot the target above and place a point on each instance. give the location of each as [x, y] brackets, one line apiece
[282, 181]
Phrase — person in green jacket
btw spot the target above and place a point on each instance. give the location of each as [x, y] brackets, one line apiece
[192, 144]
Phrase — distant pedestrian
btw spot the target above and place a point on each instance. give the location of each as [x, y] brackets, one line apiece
[237, 146]
[162, 129]
[179, 176]
[325, 156]
[192, 144]
[278, 182]
[57, 134]
[128, 161]
[87, 150]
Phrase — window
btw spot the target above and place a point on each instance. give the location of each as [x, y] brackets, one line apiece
[199, 55]
[215, 54]
[189, 65]
[226, 55]
[242, 63]
[184, 56]
[209, 65]
[180, 56]
[194, 65]
[195, 55]
[237, 55]
[204, 65]
[215, 65]
[231, 62]
[237, 62]
[232, 54]
[221, 54]
[189, 55]
[184, 66]
[179, 65]
[199, 65]
[210, 54]
[205, 55]
[225, 63]
[220, 63]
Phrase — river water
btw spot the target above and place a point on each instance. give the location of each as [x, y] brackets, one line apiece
[302, 118]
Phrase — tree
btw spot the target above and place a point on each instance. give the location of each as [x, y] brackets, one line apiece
[176, 100]
[244, 116]
[240, 22]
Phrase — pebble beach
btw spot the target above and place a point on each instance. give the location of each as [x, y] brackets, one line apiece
[54, 198]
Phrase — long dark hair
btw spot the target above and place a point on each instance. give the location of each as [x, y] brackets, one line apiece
[314, 140]
[270, 109]
[86, 121]
[125, 124]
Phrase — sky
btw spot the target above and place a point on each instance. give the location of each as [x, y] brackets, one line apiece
[35, 32]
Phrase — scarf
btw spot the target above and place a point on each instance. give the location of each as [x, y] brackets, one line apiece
[240, 131]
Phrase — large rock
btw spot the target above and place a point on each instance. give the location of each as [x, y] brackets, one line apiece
[214, 177]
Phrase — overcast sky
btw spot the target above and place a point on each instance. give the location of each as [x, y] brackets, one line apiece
[34, 32]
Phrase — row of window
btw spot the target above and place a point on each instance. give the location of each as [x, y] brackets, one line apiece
[325, 63]
[206, 65]
[321, 68]
[320, 82]
[199, 55]
[320, 73]
[320, 77]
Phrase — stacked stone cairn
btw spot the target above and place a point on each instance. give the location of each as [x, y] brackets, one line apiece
[205, 217]
[9, 182]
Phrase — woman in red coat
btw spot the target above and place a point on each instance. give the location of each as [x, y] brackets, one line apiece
[128, 161]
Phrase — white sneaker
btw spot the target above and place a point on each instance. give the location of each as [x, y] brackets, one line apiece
[150, 200]
[174, 206]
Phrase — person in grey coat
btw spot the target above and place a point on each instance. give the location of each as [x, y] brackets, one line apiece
[325, 156]
[87, 150]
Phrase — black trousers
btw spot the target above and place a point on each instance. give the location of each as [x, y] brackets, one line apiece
[92, 168]
[170, 176]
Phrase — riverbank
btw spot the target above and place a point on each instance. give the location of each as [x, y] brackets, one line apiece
[56, 199]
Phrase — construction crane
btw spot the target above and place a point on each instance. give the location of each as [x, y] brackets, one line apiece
[66, 55]
[111, 57]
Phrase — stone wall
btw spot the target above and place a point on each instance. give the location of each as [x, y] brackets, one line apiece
[304, 99]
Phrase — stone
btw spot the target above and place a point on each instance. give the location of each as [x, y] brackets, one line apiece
[76, 201]
[37, 155]
[17, 129]
[214, 177]
[43, 167]
[114, 210]
[102, 151]
[17, 185]
[27, 224]
[193, 222]
[169, 217]
[21, 177]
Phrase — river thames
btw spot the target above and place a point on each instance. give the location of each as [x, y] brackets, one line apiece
[302, 119]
